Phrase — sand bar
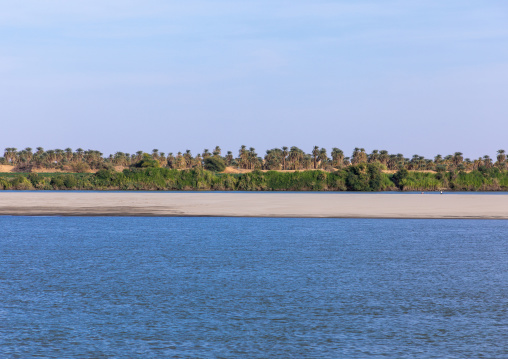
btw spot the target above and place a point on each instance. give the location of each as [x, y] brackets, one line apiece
[318, 205]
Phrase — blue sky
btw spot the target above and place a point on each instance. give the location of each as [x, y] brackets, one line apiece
[415, 77]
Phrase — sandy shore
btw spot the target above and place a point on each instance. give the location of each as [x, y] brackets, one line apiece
[319, 205]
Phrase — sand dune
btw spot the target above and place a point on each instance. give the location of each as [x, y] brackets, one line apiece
[319, 205]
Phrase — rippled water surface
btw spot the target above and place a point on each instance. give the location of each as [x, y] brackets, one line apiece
[252, 288]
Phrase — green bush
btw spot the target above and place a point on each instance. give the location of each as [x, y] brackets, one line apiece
[34, 178]
[80, 167]
[70, 181]
[364, 177]
[21, 183]
[399, 176]
[147, 161]
[4, 183]
[214, 164]
[57, 182]
[104, 175]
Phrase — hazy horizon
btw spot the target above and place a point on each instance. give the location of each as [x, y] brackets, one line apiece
[421, 77]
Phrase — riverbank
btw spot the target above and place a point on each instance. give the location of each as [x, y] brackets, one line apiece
[311, 205]
[358, 178]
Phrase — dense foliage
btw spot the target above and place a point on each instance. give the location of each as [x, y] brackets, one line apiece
[361, 177]
[215, 164]
[277, 159]
[315, 171]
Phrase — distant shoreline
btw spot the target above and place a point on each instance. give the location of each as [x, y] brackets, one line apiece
[354, 178]
[277, 205]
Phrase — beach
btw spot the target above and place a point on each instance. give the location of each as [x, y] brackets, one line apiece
[305, 205]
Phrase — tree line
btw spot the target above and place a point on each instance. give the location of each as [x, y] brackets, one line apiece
[277, 159]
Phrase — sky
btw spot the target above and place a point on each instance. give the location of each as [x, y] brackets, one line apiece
[411, 77]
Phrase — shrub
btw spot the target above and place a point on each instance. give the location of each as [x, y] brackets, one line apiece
[147, 161]
[81, 167]
[34, 178]
[399, 176]
[441, 168]
[106, 166]
[104, 174]
[57, 182]
[214, 164]
[365, 177]
[4, 184]
[21, 183]
[375, 176]
[70, 181]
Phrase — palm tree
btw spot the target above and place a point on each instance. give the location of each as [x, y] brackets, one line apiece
[79, 153]
[306, 161]
[415, 162]
[273, 159]
[60, 155]
[188, 158]
[118, 159]
[468, 164]
[51, 157]
[284, 156]
[477, 163]
[180, 161]
[359, 156]
[457, 158]
[501, 158]
[171, 160]
[392, 162]
[373, 157]
[243, 157]
[252, 158]
[14, 155]
[196, 162]
[295, 158]
[68, 154]
[400, 161]
[448, 160]
[487, 161]
[26, 155]
[323, 158]
[337, 157]
[229, 158]
[217, 151]
[315, 154]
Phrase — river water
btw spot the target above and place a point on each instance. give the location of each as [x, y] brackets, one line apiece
[98, 287]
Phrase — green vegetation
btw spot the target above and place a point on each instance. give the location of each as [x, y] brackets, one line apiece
[215, 164]
[147, 161]
[316, 171]
[355, 178]
[361, 177]
[276, 159]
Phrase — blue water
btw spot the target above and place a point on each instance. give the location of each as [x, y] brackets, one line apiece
[252, 288]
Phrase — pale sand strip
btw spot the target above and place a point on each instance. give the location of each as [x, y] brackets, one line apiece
[338, 205]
